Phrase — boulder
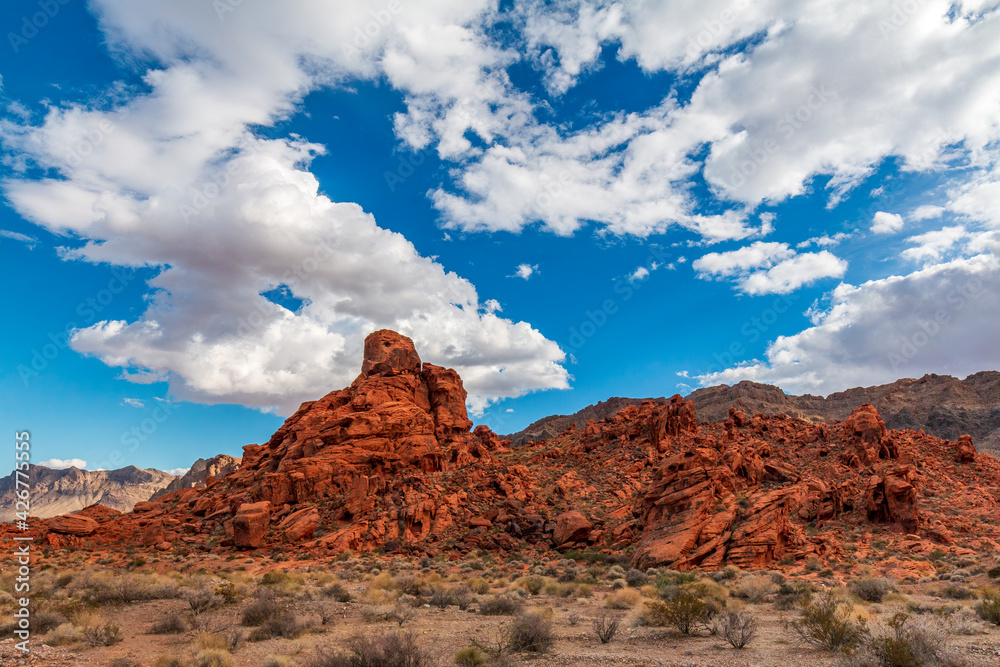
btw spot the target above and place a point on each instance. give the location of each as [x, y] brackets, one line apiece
[72, 524]
[250, 524]
[570, 526]
[965, 451]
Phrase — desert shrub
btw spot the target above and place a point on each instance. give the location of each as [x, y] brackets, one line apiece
[791, 595]
[903, 643]
[387, 650]
[957, 591]
[124, 662]
[871, 589]
[279, 661]
[64, 634]
[635, 578]
[101, 589]
[738, 628]
[707, 589]
[283, 625]
[726, 573]
[826, 624]
[400, 613]
[499, 605]
[102, 635]
[478, 585]
[626, 598]
[682, 609]
[213, 658]
[337, 592]
[531, 633]
[606, 626]
[993, 573]
[209, 641]
[260, 611]
[965, 622]
[755, 589]
[532, 584]
[202, 600]
[470, 657]
[171, 624]
[988, 607]
[43, 621]
[229, 592]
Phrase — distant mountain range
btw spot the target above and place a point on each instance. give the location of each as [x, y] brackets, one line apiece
[55, 492]
[941, 405]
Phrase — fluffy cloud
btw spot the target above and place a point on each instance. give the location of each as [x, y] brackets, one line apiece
[934, 244]
[525, 271]
[886, 223]
[172, 178]
[62, 464]
[29, 241]
[769, 268]
[935, 320]
[133, 402]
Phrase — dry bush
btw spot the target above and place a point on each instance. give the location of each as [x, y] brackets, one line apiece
[471, 656]
[871, 589]
[171, 661]
[102, 635]
[904, 642]
[337, 592]
[532, 584]
[260, 611]
[63, 635]
[755, 588]
[965, 622]
[606, 626]
[478, 585]
[738, 628]
[531, 633]
[284, 625]
[499, 605]
[202, 600]
[279, 661]
[171, 624]
[826, 624]
[213, 658]
[623, 599]
[387, 650]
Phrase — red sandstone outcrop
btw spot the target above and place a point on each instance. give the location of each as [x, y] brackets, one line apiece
[389, 463]
[72, 524]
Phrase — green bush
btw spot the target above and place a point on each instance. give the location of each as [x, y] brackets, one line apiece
[827, 624]
[988, 608]
[682, 609]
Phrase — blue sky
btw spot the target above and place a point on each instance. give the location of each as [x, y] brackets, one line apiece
[207, 207]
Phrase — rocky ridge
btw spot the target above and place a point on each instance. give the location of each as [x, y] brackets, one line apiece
[941, 405]
[217, 466]
[55, 492]
[391, 464]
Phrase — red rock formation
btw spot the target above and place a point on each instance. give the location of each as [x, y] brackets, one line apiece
[72, 524]
[965, 451]
[389, 463]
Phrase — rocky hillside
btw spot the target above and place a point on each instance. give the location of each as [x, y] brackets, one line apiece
[939, 404]
[55, 492]
[390, 464]
[199, 473]
[553, 425]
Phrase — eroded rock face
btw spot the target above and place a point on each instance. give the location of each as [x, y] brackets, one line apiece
[389, 353]
[250, 524]
[571, 526]
[893, 498]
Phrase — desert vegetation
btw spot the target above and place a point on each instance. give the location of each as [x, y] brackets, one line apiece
[373, 610]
